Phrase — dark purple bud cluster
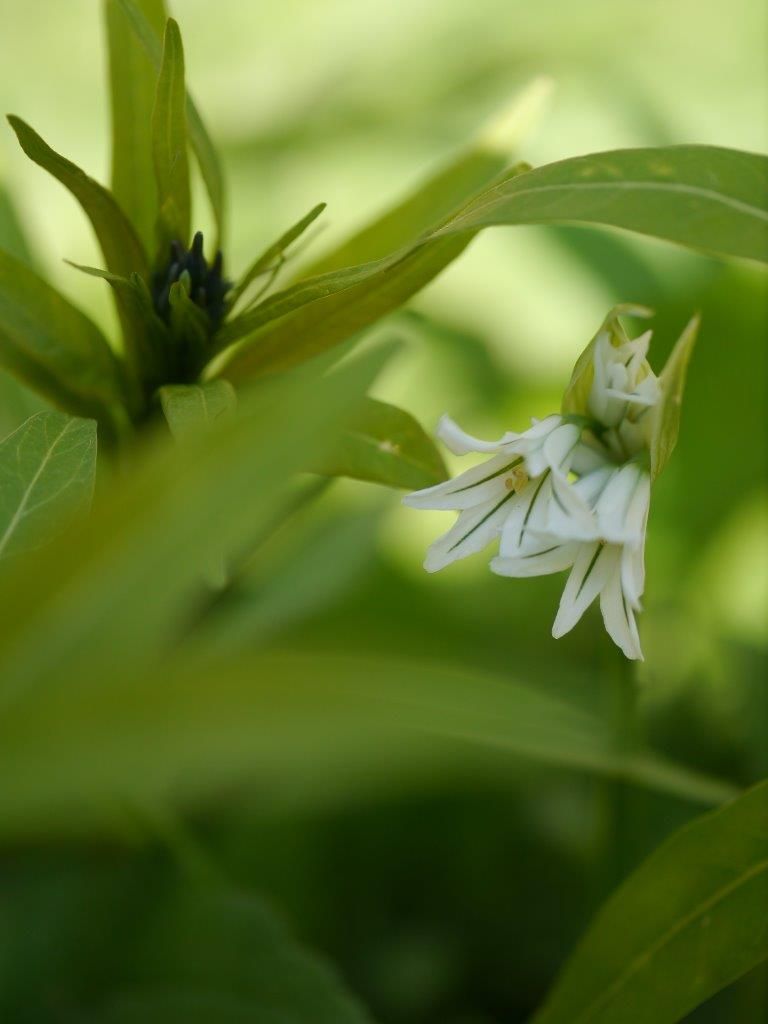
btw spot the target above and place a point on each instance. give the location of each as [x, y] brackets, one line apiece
[208, 287]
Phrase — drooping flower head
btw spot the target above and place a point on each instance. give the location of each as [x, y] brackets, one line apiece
[573, 491]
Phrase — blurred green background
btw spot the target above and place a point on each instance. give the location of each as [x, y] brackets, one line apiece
[443, 900]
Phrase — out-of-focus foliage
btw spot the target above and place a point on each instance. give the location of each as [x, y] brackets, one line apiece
[447, 883]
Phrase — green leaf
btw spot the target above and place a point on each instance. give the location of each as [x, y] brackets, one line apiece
[13, 238]
[169, 143]
[576, 396]
[122, 249]
[385, 445]
[314, 315]
[441, 194]
[207, 159]
[150, 355]
[72, 755]
[47, 471]
[123, 252]
[274, 255]
[53, 347]
[688, 922]
[666, 423]
[189, 408]
[119, 588]
[132, 77]
[704, 197]
[220, 954]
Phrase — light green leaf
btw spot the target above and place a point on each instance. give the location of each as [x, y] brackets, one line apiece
[576, 396]
[123, 252]
[704, 197]
[666, 423]
[169, 143]
[13, 238]
[441, 194]
[219, 954]
[385, 445]
[132, 77]
[314, 315]
[191, 407]
[122, 249]
[274, 255]
[198, 135]
[47, 471]
[53, 347]
[688, 922]
[69, 752]
[118, 590]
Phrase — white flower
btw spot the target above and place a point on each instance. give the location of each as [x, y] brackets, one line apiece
[518, 481]
[624, 388]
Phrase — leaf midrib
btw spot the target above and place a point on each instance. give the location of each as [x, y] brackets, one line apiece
[643, 958]
[21, 510]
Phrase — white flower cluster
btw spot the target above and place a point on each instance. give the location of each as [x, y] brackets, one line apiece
[572, 492]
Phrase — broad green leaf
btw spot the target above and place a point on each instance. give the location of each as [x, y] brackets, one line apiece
[688, 922]
[704, 197]
[169, 143]
[123, 252]
[119, 588]
[13, 238]
[69, 752]
[132, 78]
[47, 471]
[385, 445]
[576, 396]
[207, 158]
[274, 255]
[441, 194]
[666, 424]
[53, 347]
[219, 954]
[190, 407]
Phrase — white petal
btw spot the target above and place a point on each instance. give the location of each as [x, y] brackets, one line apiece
[547, 558]
[529, 514]
[618, 617]
[594, 564]
[476, 485]
[461, 443]
[613, 505]
[473, 530]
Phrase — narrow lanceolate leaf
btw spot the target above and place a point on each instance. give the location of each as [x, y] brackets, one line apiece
[688, 922]
[385, 445]
[666, 415]
[123, 251]
[47, 470]
[704, 197]
[190, 408]
[132, 80]
[198, 135]
[442, 193]
[169, 143]
[53, 347]
[271, 718]
[274, 255]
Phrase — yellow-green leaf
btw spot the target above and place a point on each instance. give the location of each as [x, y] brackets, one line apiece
[666, 423]
[169, 144]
